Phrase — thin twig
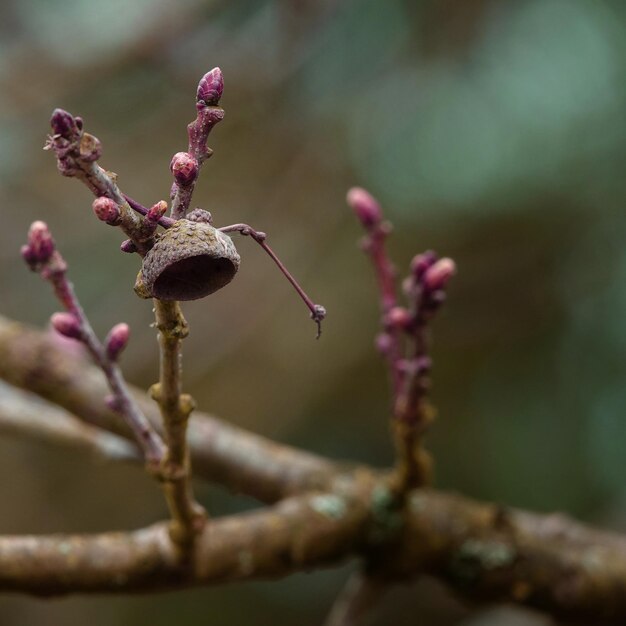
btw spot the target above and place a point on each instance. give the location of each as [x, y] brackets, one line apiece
[221, 452]
[77, 154]
[369, 213]
[318, 312]
[188, 516]
[43, 257]
[208, 115]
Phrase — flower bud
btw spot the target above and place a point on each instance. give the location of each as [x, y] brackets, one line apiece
[40, 243]
[364, 206]
[421, 262]
[63, 123]
[128, 246]
[436, 277]
[157, 211]
[184, 167]
[116, 340]
[67, 325]
[398, 317]
[383, 343]
[112, 403]
[210, 87]
[106, 210]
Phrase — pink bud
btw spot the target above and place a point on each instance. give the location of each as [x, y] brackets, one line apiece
[67, 325]
[157, 211]
[116, 340]
[128, 246]
[398, 317]
[437, 275]
[106, 210]
[27, 254]
[63, 123]
[364, 206]
[112, 403]
[421, 262]
[384, 343]
[210, 87]
[40, 243]
[184, 167]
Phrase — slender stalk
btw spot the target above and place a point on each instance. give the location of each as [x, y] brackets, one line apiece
[208, 115]
[188, 516]
[318, 312]
[43, 257]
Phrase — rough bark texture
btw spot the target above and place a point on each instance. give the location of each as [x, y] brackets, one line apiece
[327, 514]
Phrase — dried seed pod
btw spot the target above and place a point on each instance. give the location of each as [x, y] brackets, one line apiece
[190, 260]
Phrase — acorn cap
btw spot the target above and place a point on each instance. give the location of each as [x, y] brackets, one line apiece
[190, 260]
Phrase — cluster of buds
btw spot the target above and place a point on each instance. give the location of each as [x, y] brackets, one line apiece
[70, 143]
[41, 255]
[403, 340]
[191, 258]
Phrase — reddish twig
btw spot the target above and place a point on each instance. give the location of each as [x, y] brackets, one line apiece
[369, 213]
[185, 166]
[318, 312]
[42, 256]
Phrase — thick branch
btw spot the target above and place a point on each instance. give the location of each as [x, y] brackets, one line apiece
[547, 562]
[223, 453]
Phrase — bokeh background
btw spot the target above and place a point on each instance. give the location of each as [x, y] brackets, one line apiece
[492, 132]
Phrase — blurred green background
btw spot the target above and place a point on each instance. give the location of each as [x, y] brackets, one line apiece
[492, 132]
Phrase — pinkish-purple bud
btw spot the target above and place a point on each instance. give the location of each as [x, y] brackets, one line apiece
[63, 123]
[128, 246]
[116, 340]
[398, 317]
[437, 275]
[40, 243]
[384, 343]
[112, 403]
[211, 87]
[106, 210]
[364, 206]
[184, 167]
[157, 211]
[27, 254]
[67, 325]
[421, 262]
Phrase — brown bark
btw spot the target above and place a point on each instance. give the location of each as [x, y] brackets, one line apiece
[547, 562]
[479, 549]
[240, 460]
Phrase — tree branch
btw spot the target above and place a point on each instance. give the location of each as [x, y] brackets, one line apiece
[485, 553]
[240, 460]
[24, 414]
